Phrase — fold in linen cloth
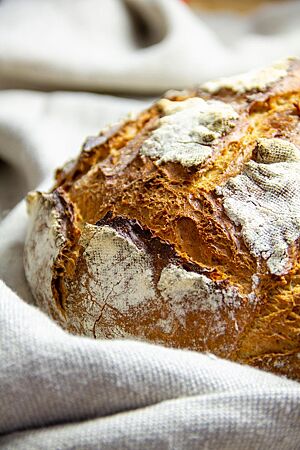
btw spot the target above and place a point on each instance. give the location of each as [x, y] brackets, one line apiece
[137, 46]
[59, 391]
[69, 392]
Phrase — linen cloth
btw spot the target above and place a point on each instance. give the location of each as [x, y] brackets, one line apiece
[58, 391]
[96, 44]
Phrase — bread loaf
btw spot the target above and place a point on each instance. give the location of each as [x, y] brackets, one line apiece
[181, 226]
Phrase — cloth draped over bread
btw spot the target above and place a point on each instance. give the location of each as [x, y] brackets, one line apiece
[65, 392]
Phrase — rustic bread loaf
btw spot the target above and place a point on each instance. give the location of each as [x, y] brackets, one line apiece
[181, 226]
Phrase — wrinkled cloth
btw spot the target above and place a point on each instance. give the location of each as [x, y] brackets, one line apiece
[138, 46]
[59, 391]
[69, 392]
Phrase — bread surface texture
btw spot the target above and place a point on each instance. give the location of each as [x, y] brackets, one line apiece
[181, 225]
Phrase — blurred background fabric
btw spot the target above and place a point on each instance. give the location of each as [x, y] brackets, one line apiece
[67, 69]
[138, 46]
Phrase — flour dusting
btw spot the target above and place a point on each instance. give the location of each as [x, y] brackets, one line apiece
[187, 130]
[120, 274]
[45, 238]
[190, 291]
[265, 201]
[255, 79]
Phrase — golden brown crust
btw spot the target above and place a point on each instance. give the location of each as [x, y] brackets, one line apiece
[174, 221]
